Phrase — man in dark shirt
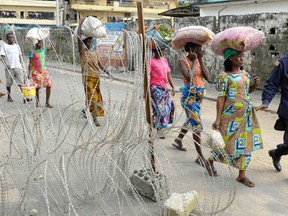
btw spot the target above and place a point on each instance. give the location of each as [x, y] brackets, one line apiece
[278, 79]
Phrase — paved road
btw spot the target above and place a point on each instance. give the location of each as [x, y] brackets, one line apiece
[267, 198]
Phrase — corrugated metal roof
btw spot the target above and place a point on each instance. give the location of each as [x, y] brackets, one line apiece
[181, 11]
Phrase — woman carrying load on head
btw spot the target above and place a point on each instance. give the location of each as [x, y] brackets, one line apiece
[38, 71]
[91, 68]
[194, 75]
[163, 107]
[236, 119]
[162, 104]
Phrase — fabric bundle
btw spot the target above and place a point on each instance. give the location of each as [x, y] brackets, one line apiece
[195, 34]
[238, 38]
[91, 27]
[36, 34]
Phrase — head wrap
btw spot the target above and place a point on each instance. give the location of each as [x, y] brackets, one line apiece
[230, 52]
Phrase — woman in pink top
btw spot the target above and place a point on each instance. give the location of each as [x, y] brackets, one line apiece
[38, 71]
[162, 105]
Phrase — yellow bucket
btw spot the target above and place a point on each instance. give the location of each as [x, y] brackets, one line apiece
[29, 90]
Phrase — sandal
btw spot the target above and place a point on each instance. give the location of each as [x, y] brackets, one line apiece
[181, 148]
[178, 144]
[246, 182]
[160, 133]
[83, 113]
[97, 124]
[198, 161]
[211, 170]
[49, 106]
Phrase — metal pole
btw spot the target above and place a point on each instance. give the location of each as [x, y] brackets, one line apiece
[57, 13]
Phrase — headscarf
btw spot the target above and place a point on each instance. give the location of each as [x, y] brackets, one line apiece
[230, 52]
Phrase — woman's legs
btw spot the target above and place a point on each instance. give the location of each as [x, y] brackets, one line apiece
[244, 180]
[178, 140]
[37, 97]
[48, 93]
[197, 143]
[182, 133]
[9, 98]
[242, 174]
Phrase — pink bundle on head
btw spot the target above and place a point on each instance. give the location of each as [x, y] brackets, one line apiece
[195, 34]
[238, 38]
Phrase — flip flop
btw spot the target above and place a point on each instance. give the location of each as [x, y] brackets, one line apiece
[83, 113]
[246, 182]
[211, 170]
[181, 148]
[199, 162]
[49, 106]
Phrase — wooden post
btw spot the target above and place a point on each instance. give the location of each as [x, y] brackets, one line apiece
[146, 84]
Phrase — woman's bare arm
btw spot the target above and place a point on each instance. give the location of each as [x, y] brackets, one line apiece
[219, 110]
[171, 83]
[185, 71]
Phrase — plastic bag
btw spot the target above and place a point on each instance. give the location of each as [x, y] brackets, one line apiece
[215, 140]
[238, 38]
[37, 34]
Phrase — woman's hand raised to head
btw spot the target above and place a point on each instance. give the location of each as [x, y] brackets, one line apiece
[192, 55]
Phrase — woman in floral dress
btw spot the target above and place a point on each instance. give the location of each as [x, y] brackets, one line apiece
[162, 104]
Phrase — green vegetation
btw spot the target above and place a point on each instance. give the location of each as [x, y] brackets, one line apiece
[164, 32]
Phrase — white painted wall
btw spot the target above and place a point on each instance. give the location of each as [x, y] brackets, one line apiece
[273, 6]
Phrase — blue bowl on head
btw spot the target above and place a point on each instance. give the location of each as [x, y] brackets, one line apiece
[159, 42]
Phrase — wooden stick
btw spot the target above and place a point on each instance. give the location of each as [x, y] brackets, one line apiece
[146, 85]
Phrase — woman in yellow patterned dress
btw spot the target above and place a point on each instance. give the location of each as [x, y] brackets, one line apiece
[91, 68]
[236, 119]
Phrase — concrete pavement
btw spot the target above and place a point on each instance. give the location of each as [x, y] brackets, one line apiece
[210, 88]
[267, 198]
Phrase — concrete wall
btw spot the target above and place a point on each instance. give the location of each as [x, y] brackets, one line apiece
[260, 60]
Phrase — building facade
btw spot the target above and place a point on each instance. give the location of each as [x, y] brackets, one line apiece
[34, 12]
[114, 11]
[69, 12]
[239, 7]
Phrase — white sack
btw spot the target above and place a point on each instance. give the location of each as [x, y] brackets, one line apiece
[91, 27]
[36, 34]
